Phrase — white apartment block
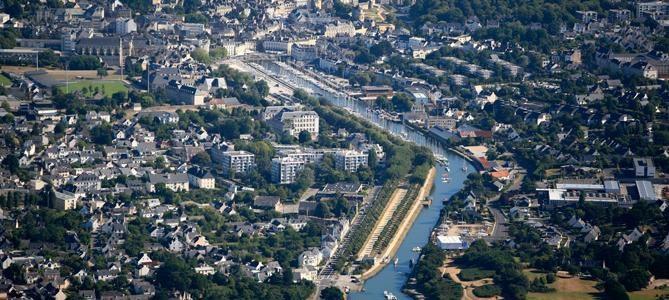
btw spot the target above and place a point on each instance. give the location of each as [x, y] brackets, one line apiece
[286, 169]
[653, 8]
[238, 161]
[295, 122]
[350, 160]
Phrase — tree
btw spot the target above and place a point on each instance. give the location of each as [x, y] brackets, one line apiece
[304, 137]
[635, 279]
[191, 6]
[202, 159]
[102, 72]
[218, 53]
[305, 179]
[84, 62]
[322, 210]
[332, 293]
[102, 134]
[174, 274]
[11, 163]
[402, 102]
[613, 290]
[201, 56]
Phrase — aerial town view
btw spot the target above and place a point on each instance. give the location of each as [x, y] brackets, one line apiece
[334, 149]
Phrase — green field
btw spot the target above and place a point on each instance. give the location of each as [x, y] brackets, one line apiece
[4, 81]
[108, 88]
[649, 294]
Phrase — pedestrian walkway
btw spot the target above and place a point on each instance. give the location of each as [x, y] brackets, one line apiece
[388, 212]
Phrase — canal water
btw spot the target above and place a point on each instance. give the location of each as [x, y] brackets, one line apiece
[392, 278]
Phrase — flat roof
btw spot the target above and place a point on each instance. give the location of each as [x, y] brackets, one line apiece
[579, 186]
[611, 185]
[449, 239]
[646, 190]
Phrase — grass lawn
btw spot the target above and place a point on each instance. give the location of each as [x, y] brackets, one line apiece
[567, 289]
[4, 81]
[108, 88]
[532, 273]
[648, 294]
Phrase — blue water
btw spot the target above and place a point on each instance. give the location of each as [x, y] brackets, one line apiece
[392, 278]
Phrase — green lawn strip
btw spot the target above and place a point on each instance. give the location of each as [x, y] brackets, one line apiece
[108, 88]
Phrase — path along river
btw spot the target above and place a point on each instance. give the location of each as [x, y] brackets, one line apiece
[392, 278]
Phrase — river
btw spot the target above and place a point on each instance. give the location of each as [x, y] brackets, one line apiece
[392, 278]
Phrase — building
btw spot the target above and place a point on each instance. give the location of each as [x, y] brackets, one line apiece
[173, 181]
[125, 26]
[306, 273]
[653, 8]
[64, 201]
[277, 46]
[443, 122]
[294, 122]
[643, 167]
[304, 52]
[350, 160]
[286, 169]
[377, 91]
[451, 242]
[237, 161]
[201, 179]
[268, 202]
[311, 257]
[109, 49]
[339, 29]
[185, 94]
[87, 182]
[646, 190]
[571, 193]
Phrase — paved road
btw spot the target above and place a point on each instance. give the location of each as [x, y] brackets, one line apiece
[500, 231]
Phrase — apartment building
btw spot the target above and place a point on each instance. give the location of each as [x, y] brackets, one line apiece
[294, 122]
[238, 161]
[286, 169]
[350, 160]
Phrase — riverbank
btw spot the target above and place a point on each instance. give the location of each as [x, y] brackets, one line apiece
[404, 227]
[386, 215]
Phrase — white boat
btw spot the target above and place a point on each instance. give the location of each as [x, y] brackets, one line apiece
[389, 296]
[448, 169]
[416, 249]
[396, 261]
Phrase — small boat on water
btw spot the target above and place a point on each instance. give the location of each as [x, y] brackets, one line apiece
[389, 296]
[416, 249]
[347, 290]
[396, 261]
[448, 169]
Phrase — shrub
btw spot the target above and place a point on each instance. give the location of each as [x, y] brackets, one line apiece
[487, 290]
[471, 274]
